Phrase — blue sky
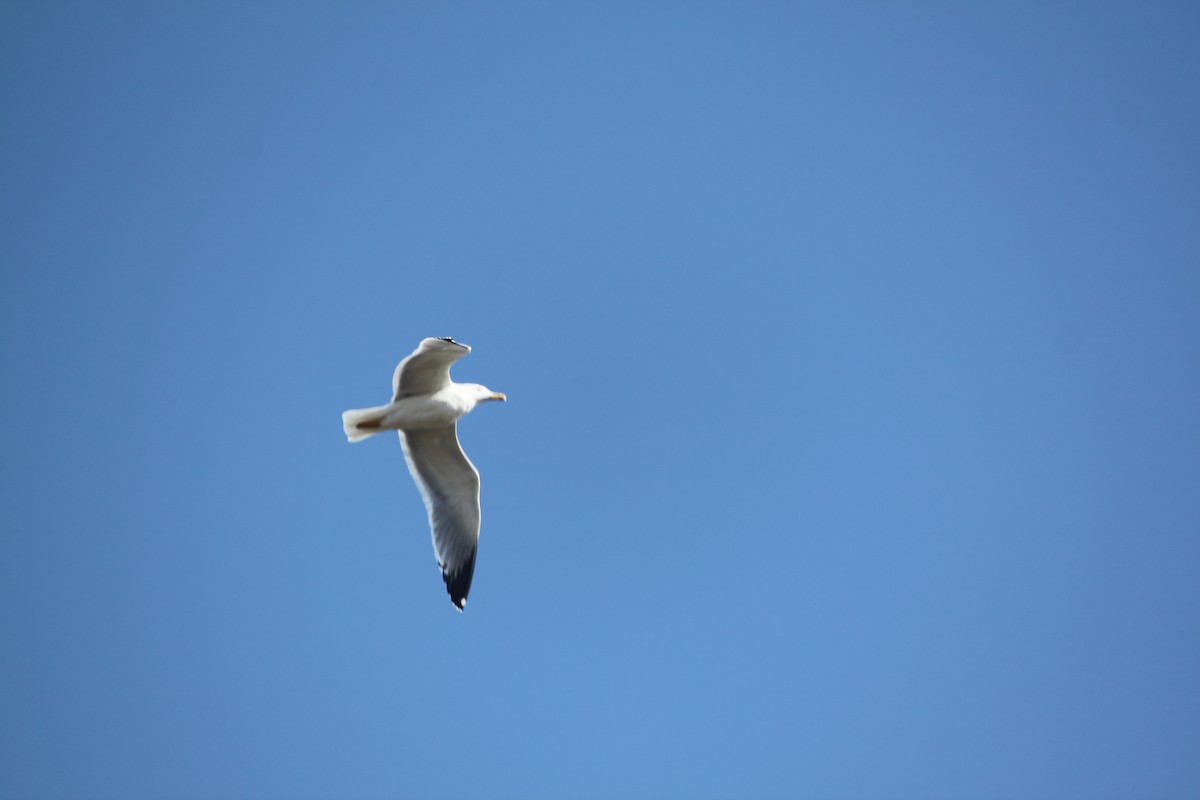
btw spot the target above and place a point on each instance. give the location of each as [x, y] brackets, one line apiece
[853, 361]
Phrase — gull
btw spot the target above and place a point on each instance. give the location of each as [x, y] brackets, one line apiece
[425, 409]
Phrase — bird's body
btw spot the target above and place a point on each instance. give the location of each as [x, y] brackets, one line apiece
[419, 412]
[425, 409]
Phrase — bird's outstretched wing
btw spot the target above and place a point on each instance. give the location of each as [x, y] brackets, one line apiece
[449, 483]
[427, 369]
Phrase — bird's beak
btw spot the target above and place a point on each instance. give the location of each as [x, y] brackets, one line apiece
[496, 396]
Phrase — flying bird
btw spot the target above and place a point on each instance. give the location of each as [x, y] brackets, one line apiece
[425, 409]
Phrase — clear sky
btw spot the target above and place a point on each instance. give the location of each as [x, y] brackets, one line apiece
[853, 361]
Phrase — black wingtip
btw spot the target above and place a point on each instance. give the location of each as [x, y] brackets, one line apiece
[458, 583]
[451, 340]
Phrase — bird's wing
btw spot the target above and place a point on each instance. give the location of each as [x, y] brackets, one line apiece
[427, 369]
[449, 483]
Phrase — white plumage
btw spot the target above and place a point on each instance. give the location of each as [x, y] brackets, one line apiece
[426, 406]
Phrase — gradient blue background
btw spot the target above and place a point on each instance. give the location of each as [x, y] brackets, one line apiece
[853, 437]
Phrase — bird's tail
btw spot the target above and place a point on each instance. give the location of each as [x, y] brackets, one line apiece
[363, 422]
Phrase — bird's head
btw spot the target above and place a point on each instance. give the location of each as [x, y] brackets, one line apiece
[483, 394]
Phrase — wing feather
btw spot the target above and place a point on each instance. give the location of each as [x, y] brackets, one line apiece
[449, 484]
[427, 369]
